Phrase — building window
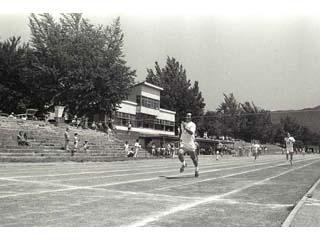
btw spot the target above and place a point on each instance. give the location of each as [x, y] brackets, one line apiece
[148, 102]
[122, 119]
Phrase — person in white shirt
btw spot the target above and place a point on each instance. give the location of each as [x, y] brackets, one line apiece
[289, 140]
[255, 149]
[136, 148]
[126, 148]
[187, 144]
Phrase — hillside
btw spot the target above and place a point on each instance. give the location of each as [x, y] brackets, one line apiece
[309, 117]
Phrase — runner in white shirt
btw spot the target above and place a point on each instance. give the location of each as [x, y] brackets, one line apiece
[187, 144]
[255, 149]
[289, 147]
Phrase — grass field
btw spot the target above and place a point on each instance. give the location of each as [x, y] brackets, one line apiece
[230, 192]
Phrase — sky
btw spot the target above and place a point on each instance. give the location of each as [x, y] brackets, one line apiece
[267, 52]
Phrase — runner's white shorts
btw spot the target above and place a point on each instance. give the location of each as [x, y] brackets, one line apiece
[187, 148]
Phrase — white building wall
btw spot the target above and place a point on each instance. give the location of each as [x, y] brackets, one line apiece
[149, 111]
[128, 107]
[146, 130]
[150, 92]
[166, 115]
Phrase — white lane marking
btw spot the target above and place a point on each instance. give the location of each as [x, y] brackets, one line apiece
[220, 177]
[151, 179]
[184, 207]
[125, 167]
[92, 187]
[175, 170]
[267, 205]
[312, 204]
[294, 212]
[132, 181]
[119, 170]
[40, 192]
[70, 187]
[37, 182]
[154, 195]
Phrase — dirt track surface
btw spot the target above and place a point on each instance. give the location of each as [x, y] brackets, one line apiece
[229, 192]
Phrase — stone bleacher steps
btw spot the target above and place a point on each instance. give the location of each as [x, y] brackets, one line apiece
[47, 144]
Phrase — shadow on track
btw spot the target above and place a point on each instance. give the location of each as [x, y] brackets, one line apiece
[177, 177]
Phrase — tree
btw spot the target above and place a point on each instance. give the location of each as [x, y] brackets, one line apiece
[78, 64]
[211, 124]
[229, 112]
[178, 95]
[15, 90]
[255, 123]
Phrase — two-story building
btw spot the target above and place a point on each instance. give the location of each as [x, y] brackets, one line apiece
[142, 109]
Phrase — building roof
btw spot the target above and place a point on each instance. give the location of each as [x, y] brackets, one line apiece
[149, 85]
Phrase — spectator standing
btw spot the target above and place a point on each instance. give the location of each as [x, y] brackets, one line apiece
[136, 148]
[129, 127]
[66, 139]
[76, 143]
[153, 149]
[126, 148]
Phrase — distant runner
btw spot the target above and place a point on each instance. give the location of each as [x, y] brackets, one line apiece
[187, 144]
[289, 147]
[255, 149]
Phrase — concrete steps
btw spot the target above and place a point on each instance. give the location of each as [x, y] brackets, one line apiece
[47, 143]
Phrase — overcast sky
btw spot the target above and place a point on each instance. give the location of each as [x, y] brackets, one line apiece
[269, 54]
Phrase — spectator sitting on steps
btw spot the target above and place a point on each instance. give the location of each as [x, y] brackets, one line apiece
[131, 153]
[22, 139]
[12, 115]
[85, 146]
[94, 125]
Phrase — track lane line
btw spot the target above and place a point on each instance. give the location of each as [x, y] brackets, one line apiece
[175, 170]
[287, 222]
[127, 170]
[125, 165]
[92, 187]
[184, 207]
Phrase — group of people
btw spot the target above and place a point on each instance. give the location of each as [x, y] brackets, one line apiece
[167, 150]
[133, 151]
[75, 146]
[188, 145]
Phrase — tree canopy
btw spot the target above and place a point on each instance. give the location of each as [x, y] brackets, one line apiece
[15, 91]
[81, 65]
[179, 94]
[68, 62]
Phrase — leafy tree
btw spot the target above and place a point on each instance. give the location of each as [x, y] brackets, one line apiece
[211, 124]
[178, 95]
[15, 90]
[255, 123]
[229, 111]
[78, 64]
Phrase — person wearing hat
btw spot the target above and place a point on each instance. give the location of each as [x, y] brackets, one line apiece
[187, 143]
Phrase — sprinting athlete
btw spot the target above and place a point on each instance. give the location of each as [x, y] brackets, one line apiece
[289, 147]
[187, 144]
[255, 149]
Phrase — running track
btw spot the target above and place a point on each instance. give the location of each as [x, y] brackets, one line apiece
[230, 192]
